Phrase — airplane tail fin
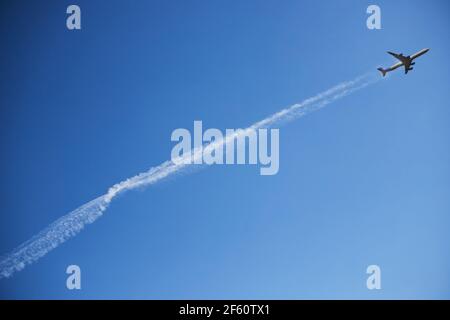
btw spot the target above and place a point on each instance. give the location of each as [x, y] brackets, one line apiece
[383, 72]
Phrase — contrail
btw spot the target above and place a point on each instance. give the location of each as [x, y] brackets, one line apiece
[72, 223]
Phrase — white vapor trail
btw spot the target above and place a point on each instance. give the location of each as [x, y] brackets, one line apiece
[72, 223]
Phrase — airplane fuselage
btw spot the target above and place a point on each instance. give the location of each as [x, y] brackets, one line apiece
[421, 52]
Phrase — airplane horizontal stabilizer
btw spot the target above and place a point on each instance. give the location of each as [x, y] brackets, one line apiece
[383, 72]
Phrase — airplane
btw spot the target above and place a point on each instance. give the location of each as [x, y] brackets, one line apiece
[406, 61]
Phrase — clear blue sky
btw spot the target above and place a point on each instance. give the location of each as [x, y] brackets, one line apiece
[364, 181]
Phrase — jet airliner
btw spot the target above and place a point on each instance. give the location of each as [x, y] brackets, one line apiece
[406, 61]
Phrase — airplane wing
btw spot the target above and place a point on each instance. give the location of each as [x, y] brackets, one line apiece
[398, 56]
